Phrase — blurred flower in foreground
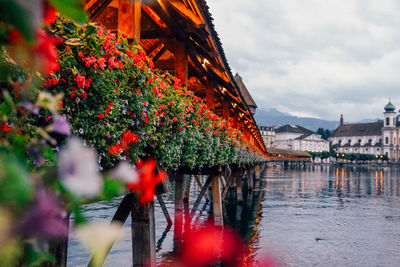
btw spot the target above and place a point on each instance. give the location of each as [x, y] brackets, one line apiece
[147, 180]
[125, 172]
[45, 219]
[47, 100]
[61, 125]
[98, 238]
[77, 169]
[211, 244]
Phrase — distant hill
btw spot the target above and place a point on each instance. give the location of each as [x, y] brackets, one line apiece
[274, 117]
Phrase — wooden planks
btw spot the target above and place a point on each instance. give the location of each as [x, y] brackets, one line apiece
[129, 18]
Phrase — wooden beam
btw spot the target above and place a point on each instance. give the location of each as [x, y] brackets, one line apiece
[181, 62]
[187, 13]
[129, 18]
[225, 109]
[198, 200]
[210, 96]
[164, 209]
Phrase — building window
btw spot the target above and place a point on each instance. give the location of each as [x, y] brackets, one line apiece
[349, 141]
[359, 141]
[387, 121]
[369, 140]
[386, 140]
[366, 149]
[377, 149]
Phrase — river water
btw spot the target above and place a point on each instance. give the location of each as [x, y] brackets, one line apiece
[301, 216]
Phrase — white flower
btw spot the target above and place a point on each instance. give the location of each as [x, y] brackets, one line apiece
[78, 169]
[98, 238]
[49, 101]
[124, 172]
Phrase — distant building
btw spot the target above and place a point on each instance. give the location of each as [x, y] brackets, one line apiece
[299, 138]
[377, 138]
[268, 135]
[246, 95]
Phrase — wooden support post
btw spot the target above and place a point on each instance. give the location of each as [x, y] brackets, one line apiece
[178, 216]
[239, 191]
[181, 62]
[143, 234]
[257, 171]
[250, 178]
[217, 204]
[228, 185]
[187, 183]
[129, 18]
[210, 96]
[225, 110]
[164, 209]
[196, 177]
[202, 193]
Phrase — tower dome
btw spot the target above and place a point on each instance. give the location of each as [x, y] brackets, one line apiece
[389, 107]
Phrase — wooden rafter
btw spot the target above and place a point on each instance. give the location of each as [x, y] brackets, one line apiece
[187, 13]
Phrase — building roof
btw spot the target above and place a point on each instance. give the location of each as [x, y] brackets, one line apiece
[273, 150]
[245, 93]
[293, 129]
[390, 107]
[359, 129]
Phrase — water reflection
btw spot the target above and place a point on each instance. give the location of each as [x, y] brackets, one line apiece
[305, 216]
[325, 216]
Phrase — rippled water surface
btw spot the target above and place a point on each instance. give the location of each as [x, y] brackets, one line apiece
[311, 216]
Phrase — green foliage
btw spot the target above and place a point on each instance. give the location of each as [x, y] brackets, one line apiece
[72, 9]
[111, 87]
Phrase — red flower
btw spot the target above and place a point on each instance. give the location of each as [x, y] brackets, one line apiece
[61, 104]
[72, 95]
[50, 13]
[138, 91]
[5, 128]
[116, 149]
[129, 137]
[46, 50]
[84, 95]
[147, 182]
[174, 119]
[80, 81]
[50, 82]
[101, 115]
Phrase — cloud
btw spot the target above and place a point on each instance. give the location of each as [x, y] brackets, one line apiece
[320, 58]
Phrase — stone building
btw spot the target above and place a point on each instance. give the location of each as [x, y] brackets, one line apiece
[298, 138]
[268, 135]
[377, 138]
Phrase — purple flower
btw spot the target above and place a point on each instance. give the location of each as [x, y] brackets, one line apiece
[108, 136]
[143, 132]
[45, 219]
[30, 107]
[132, 123]
[61, 125]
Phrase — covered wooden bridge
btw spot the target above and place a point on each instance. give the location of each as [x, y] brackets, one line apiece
[179, 36]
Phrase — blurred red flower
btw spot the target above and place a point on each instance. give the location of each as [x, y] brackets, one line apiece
[147, 182]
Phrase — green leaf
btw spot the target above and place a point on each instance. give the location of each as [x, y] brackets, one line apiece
[72, 9]
[74, 41]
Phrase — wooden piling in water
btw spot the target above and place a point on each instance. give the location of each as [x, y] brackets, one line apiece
[217, 204]
[143, 234]
[178, 215]
[239, 191]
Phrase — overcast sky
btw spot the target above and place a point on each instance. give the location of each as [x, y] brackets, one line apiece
[314, 58]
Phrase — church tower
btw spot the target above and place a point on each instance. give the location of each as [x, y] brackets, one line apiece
[388, 131]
